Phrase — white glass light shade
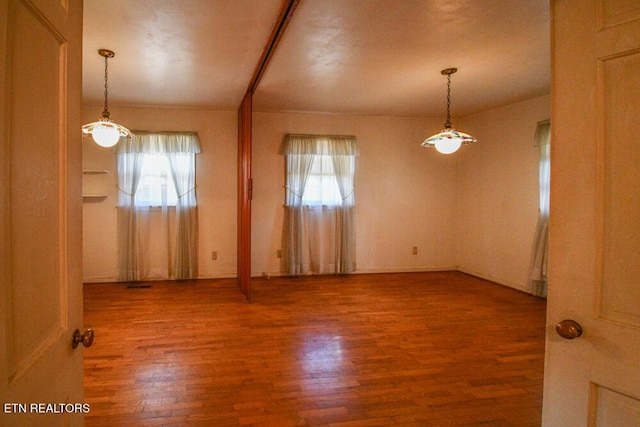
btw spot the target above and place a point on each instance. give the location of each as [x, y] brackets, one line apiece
[106, 132]
[448, 146]
[448, 140]
[105, 135]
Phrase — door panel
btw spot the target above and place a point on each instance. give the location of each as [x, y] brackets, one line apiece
[41, 216]
[244, 195]
[611, 408]
[614, 13]
[619, 83]
[36, 199]
[594, 264]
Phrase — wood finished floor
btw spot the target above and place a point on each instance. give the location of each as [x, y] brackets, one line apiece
[425, 349]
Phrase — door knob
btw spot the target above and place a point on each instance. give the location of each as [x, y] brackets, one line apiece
[86, 338]
[569, 329]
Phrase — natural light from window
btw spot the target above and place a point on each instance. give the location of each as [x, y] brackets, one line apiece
[322, 187]
[156, 186]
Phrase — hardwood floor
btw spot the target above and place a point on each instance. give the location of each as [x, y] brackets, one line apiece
[427, 349]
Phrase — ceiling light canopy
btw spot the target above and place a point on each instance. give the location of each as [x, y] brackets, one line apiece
[448, 140]
[105, 132]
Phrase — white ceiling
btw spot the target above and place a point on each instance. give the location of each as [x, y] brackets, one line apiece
[380, 57]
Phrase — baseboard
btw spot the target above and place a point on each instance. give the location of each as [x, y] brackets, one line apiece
[99, 280]
[115, 279]
[367, 271]
[497, 280]
[404, 270]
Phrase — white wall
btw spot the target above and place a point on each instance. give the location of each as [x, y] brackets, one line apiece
[497, 206]
[475, 211]
[215, 178]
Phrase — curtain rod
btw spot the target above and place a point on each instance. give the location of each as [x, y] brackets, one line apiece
[305, 135]
[166, 132]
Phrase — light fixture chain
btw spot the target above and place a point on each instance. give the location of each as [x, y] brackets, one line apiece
[105, 112]
[105, 132]
[448, 140]
[448, 123]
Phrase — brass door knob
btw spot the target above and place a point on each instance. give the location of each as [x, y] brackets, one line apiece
[86, 338]
[569, 329]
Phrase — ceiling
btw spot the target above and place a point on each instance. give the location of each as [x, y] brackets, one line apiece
[376, 57]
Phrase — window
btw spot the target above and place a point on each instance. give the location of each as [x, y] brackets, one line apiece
[157, 169]
[156, 186]
[320, 174]
[322, 185]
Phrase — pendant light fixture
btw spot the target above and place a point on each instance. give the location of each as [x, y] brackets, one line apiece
[106, 132]
[448, 140]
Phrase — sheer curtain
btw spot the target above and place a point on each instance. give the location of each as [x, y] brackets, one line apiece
[157, 225]
[319, 234]
[129, 164]
[344, 168]
[298, 168]
[541, 242]
[184, 178]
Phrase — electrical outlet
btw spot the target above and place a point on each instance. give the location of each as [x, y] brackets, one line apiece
[415, 250]
[214, 256]
[279, 253]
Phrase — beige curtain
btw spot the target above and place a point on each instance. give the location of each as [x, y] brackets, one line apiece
[320, 234]
[159, 241]
[156, 242]
[319, 238]
[184, 178]
[539, 258]
[344, 167]
[295, 225]
[129, 165]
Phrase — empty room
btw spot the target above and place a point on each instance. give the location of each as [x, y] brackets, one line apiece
[320, 212]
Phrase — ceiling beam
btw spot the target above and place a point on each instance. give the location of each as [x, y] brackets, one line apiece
[286, 13]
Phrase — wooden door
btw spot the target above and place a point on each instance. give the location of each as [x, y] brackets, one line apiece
[245, 190]
[41, 197]
[594, 268]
